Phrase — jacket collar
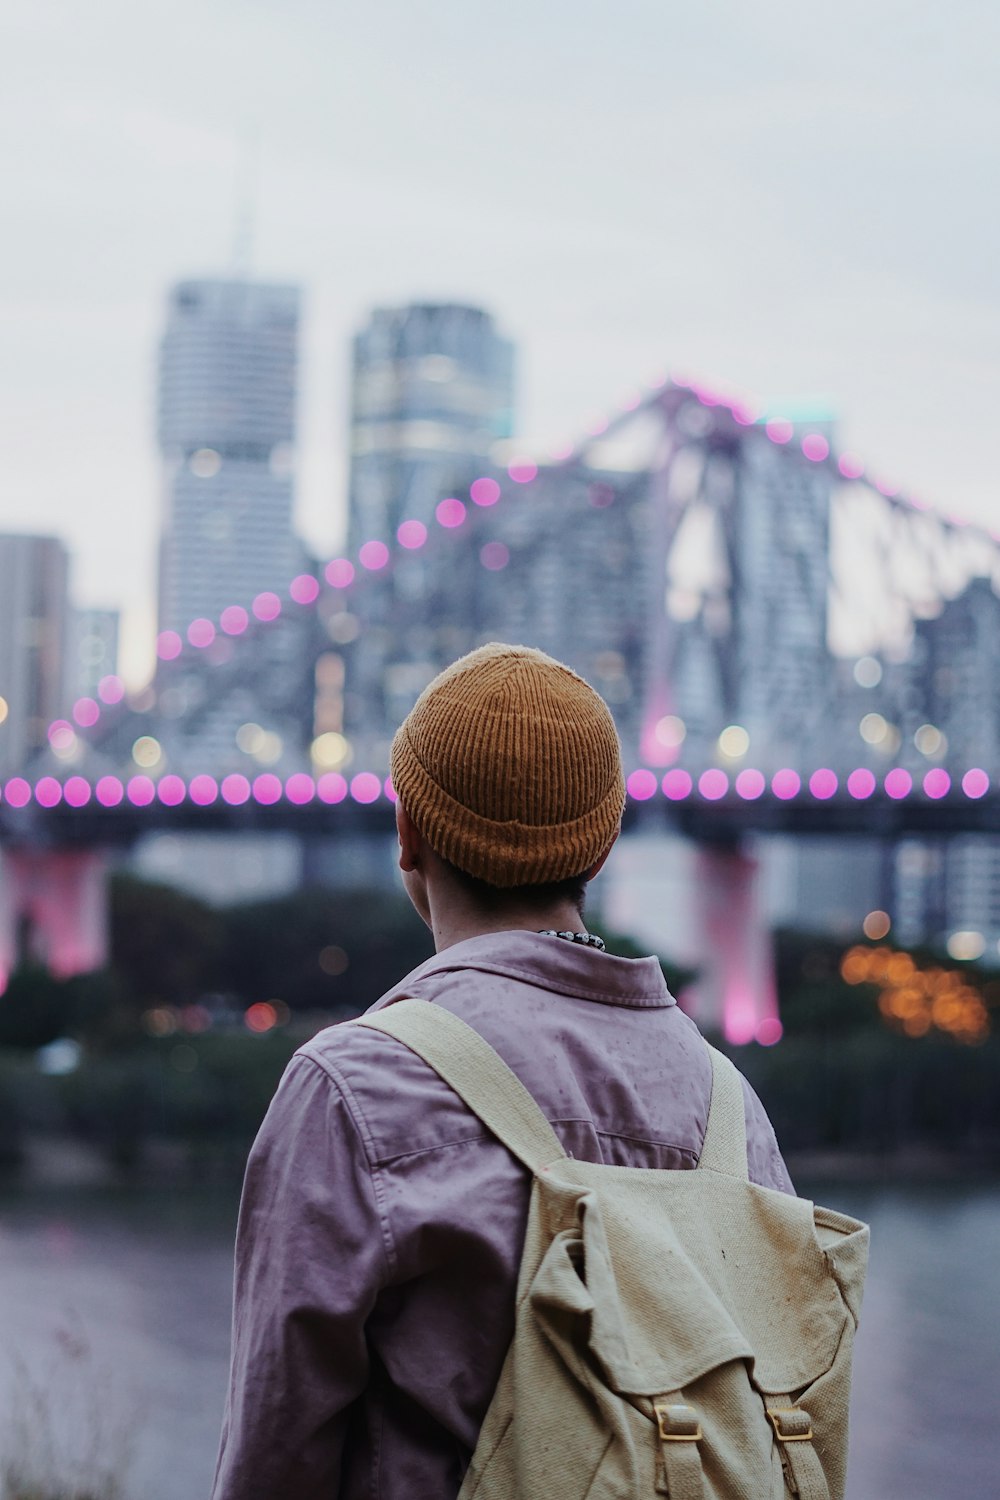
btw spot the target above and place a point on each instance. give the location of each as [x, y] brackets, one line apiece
[549, 963]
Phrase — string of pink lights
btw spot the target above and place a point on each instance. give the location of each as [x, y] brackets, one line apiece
[451, 513]
[300, 788]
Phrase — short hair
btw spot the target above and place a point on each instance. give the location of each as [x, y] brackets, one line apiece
[547, 893]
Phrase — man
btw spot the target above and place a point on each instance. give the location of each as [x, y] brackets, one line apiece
[381, 1226]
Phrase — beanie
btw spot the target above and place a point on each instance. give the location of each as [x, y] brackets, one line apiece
[509, 765]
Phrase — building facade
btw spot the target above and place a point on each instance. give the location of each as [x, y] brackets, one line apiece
[226, 427]
[34, 611]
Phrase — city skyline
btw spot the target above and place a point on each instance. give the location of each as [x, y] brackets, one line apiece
[755, 198]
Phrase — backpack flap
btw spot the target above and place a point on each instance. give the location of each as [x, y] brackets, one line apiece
[663, 1277]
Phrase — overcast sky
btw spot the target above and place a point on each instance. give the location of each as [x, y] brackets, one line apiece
[798, 200]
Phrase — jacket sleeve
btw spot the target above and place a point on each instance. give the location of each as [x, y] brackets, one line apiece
[312, 1252]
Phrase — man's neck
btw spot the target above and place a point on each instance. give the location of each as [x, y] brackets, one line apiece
[454, 921]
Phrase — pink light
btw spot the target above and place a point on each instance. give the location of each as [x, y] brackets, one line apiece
[769, 1031]
[48, 792]
[484, 492]
[815, 447]
[937, 782]
[641, 785]
[171, 790]
[111, 689]
[267, 788]
[596, 426]
[561, 452]
[331, 787]
[705, 396]
[109, 791]
[234, 619]
[676, 785]
[861, 783]
[898, 783]
[168, 645]
[886, 489]
[750, 784]
[389, 789]
[494, 556]
[713, 784]
[850, 466]
[86, 712]
[300, 788]
[632, 402]
[779, 430]
[17, 792]
[140, 791]
[745, 414]
[339, 573]
[201, 633]
[373, 555]
[266, 606]
[411, 534]
[304, 589]
[823, 784]
[76, 792]
[366, 787]
[235, 789]
[523, 471]
[450, 512]
[203, 790]
[975, 783]
[61, 734]
[786, 784]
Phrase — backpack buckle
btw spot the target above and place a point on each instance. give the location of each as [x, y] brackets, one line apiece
[677, 1422]
[791, 1424]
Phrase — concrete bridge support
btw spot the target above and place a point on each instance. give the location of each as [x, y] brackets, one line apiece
[736, 989]
[53, 908]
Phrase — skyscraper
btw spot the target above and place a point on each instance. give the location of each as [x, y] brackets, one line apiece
[33, 628]
[432, 393]
[227, 387]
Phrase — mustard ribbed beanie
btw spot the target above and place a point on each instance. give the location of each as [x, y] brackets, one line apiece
[510, 766]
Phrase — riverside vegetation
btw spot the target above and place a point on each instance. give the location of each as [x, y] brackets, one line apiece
[176, 1048]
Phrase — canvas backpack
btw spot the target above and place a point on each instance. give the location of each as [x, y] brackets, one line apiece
[681, 1333]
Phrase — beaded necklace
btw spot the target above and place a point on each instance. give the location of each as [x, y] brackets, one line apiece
[585, 939]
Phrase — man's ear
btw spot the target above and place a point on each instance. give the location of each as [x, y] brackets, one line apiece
[410, 839]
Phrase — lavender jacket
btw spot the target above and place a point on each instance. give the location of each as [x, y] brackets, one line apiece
[381, 1226]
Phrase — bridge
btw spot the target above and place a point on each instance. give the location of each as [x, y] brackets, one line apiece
[783, 591]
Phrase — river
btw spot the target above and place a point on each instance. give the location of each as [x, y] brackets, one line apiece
[114, 1336]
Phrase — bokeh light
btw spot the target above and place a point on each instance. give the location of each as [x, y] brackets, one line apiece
[641, 784]
[86, 712]
[450, 512]
[109, 791]
[937, 782]
[339, 573]
[267, 788]
[235, 789]
[898, 783]
[366, 787]
[975, 783]
[522, 470]
[786, 784]
[17, 792]
[48, 792]
[967, 945]
[331, 787]
[868, 671]
[779, 429]
[411, 534]
[111, 689]
[713, 784]
[734, 741]
[494, 556]
[876, 925]
[676, 785]
[203, 790]
[750, 784]
[304, 589]
[484, 492]
[300, 788]
[861, 783]
[930, 741]
[234, 619]
[201, 633]
[266, 606]
[373, 555]
[260, 1017]
[168, 645]
[850, 466]
[815, 447]
[77, 791]
[171, 790]
[140, 791]
[823, 784]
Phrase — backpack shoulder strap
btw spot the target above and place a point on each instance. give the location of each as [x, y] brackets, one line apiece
[480, 1077]
[725, 1146]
